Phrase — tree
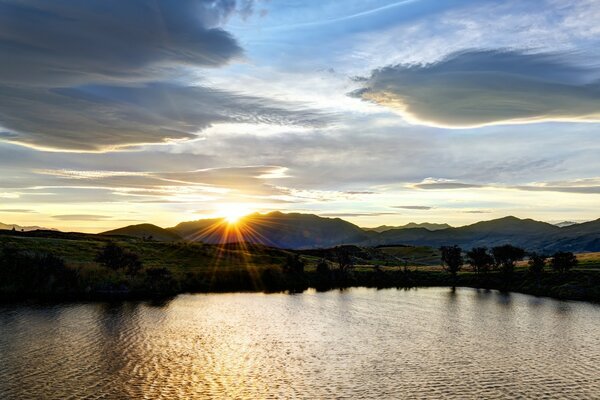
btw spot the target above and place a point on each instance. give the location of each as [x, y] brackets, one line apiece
[563, 261]
[322, 267]
[506, 256]
[537, 262]
[115, 257]
[294, 263]
[452, 259]
[480, 259]
[344, 258]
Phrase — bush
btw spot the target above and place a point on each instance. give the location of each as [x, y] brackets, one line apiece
[35, 273]
[115, 257]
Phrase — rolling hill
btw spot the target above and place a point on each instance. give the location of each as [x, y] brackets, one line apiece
[410, 225]
[275, 229]
[308, 231]
[526, 233]
[145, 231]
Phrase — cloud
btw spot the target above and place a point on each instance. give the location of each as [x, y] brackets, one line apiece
[171, 186]
[97, 75]
[100, 117]
[583, 186]
[477, 88]
[356, 214]
[16, 210]
[442, 184]
[414, 207]
[81, 217]
[72, 41]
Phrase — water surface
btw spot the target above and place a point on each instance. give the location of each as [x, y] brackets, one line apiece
[358, 343]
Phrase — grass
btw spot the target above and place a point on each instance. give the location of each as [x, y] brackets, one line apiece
[196, 267]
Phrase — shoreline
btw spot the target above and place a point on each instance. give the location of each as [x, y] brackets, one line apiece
[575, 286]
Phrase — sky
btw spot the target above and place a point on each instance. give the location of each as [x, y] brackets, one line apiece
[378, 112]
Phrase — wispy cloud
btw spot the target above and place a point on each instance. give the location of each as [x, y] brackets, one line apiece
[414, 207]
[81, 217]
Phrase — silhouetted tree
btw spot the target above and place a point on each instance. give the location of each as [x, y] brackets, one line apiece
[452, 259]
[537, 263]
[344, 259]
[115, 257]
[322, 267]
[480, 259]
[506, 256]
[294, 263]
[563, 261]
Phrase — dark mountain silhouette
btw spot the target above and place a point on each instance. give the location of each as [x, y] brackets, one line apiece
[275, 229]
[308, 231]
[145, 231]
[410, 225]
[526, 233]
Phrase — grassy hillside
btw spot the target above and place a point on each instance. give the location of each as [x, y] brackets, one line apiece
[145, 231]
[174, 267]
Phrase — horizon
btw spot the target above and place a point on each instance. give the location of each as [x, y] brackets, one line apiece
[378, 112]
[238, 219]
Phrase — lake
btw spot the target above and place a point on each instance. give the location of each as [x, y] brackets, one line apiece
[428, 343]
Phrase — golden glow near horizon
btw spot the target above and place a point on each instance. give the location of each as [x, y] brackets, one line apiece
[233, 212]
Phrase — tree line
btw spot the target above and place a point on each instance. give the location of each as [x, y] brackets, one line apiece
[504, 258]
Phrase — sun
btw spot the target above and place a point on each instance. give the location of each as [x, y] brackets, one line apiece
[232, 213]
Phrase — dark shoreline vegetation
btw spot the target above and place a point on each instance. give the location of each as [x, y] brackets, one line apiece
[64, 267]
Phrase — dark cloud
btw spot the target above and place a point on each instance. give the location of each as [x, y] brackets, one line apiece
[99, 117]
[71, 41]
[16, 210]
[477, 88]
[414, 207]
[99, 74]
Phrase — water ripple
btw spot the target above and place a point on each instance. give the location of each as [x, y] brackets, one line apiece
[359, 343]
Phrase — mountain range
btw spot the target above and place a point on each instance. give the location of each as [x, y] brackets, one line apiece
[21, 228]
[410, 225]
[302, 231]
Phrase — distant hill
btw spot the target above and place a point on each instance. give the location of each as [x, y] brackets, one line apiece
[308, 231]
[23, 228]
[294, 230]
[410, 225]
[145, 231]
[527, 233]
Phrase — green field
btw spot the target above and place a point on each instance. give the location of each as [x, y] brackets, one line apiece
[169, 268]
